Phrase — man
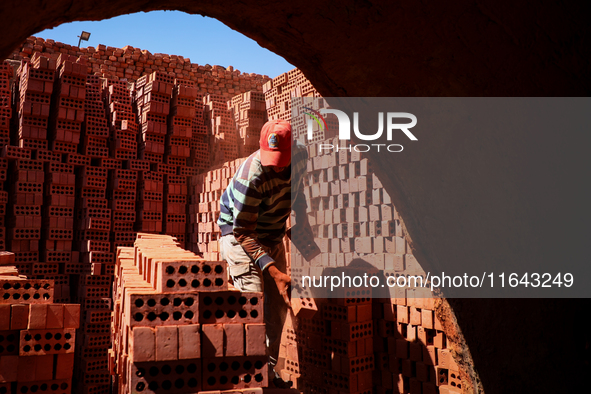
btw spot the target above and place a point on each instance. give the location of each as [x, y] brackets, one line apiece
[253, 211]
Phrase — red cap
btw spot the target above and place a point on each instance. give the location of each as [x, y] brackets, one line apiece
[276, 143]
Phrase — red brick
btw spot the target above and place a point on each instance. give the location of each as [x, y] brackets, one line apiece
[166, 343]
[416, 351]
[389, 312]
[364, 312]
[26, 369]
[43, 342]
[402, 314]
[5, 317]
[8, 368]
[234, 340]
[71, 315]
[422, 372]
[416, 387]
[429, 388]
[256, 367]
[44, 366]
[415, 316]
[189, 341]
[430, 355]
[427, 318]
[401, 348]
[55, 316]
[255, 340]
[212, 340]
[411, 333]
[143, 344]
[37, 317]
[64, 366]
[439, 340]
[441, 376]
[19, 316]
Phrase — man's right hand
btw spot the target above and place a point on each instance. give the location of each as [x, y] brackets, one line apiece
[283, 283]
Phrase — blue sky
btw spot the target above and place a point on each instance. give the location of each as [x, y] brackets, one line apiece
[204, 40]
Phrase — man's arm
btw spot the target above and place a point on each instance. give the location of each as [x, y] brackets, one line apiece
[247, 199]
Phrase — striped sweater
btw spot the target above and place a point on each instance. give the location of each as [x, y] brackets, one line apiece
[257, 202]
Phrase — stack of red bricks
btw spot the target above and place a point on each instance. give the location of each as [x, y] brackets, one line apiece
[118, 131]
[3, 202]
[352, 217]
[177, 327]
[278, 97]
[93, 293]
[122, 188]
[67, 105]
[290, 95]
[152, 97]
[249, 112]
[36, 82]
[207, 189]
[200, 152]
[175, 207]
[412, 354]
[23, 211]
[151, 201]
[37, 340]
[223, 128]
[180, 123]
[5, 102]
[58, 215]
[332, 347]
[131, 63]
[94, 220]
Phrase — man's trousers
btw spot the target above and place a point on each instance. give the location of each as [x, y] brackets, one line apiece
[247, 277]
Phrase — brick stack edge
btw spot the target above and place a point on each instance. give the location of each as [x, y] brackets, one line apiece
[178, 327]
[88, 162]
[37, 335]
[131, 63]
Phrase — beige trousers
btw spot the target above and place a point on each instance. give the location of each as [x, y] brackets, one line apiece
[247, 277]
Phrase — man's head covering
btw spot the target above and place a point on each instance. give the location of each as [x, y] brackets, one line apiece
[276, 143]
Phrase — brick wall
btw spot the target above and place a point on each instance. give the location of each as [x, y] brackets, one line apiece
[131, 63]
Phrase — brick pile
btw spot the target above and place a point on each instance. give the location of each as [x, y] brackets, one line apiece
[5, 103]
[131, 63]
[178, 327]
[93, 293]
[122, 201]
[69, 205]
[200, 151]
[152, 98]
[222, 127]
[288, 96]
[23, 211]
[354, 343]
[36, 83]
[67, 105]
[180, 124]
[3, 202]
[249, 112]
[37, 335]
